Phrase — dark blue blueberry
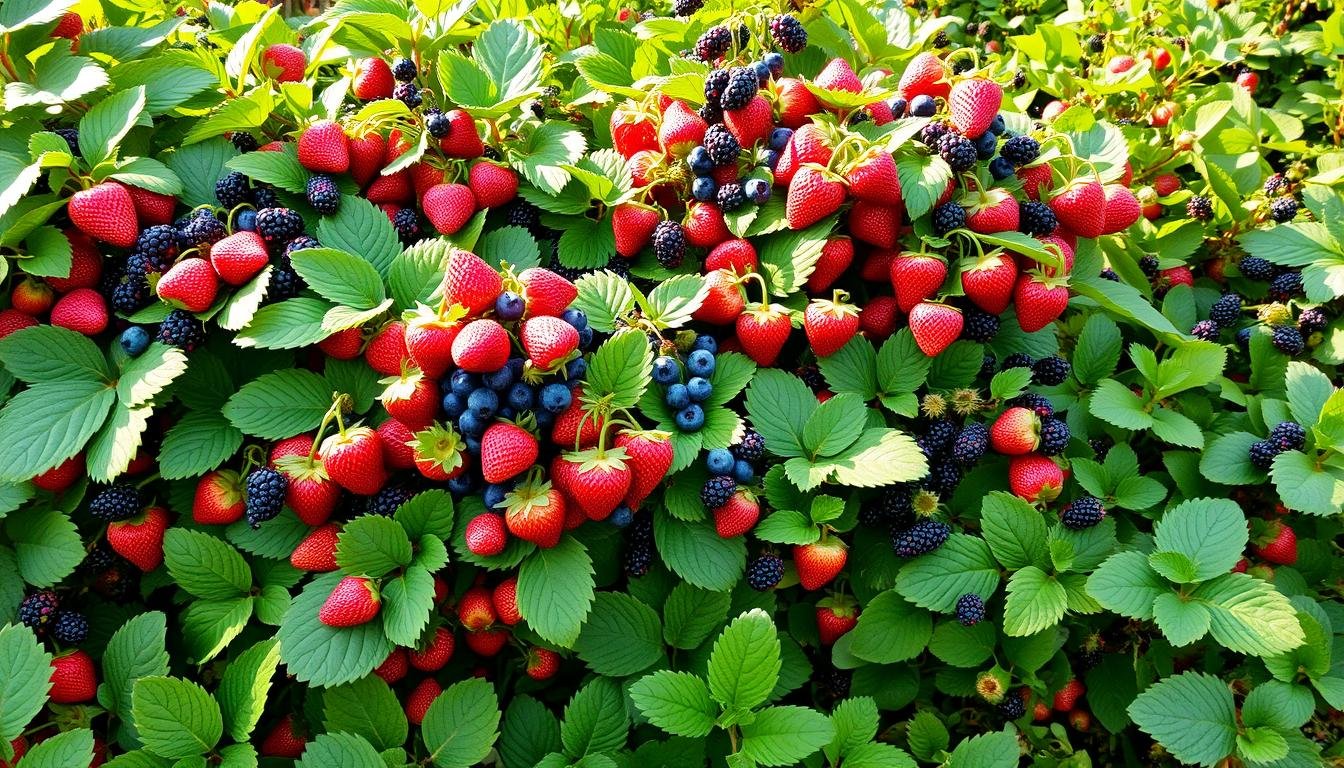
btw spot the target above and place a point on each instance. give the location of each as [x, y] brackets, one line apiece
[493, 495]
[555, 397]
[704, 189]
[483, 402]
[775, 61]
[473, 445]
[462, 484]
[771, 158]
[454, 405]
[923, 106]
[464, 383]
[707, 343]
[762, 72]
[1000, 168]
[985, 145]
[246, 220]
[699, 388]
[898, 106]
[521, 397]
[505, 412]
[699, 161]
[509, 306]
[700, 363]
[134, 340]
[576, 369]
[621, 517]
[666, 370]
[677, 397]
[499, 380]
[575, 317]
[585, 338]
[779, 138]
[757, 191]
[544, 419]
[743, 472]
[471, 424]
[719, 461]
[691, 418]
[997, 126]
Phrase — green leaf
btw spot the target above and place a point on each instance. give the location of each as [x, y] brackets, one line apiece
[834, 425]
[787, 527]
[104, 126]
[934, 581]
[989, 750]
[852, 369]
[1014, 530]
[696, 553]
[46, 544]
[48, 353]
[367, 708]
[1227, 460]
[1302, 485]
[856, 723]
[691, 614]
[326, 656]
[147, 375]
[69, 748]
[196, 444]
[585, 243]
[462, 724]
[927, 735]
[962, 646]
[58, 418]
[788, 258]
[1126, 584]
[428, 513]
[1249, 615]
[115, 445]
[242, 692]
[673, 301]
[416, 273]
[205, 566]
[555, 590]
[1182, 622]
[19, 14]
[1112, 402]
[923, 180]
[745, 662]
[1211, 532]
[175, 718]
[279, 169]
[1191, 715]
[340, 750]
[785, 735]
[543, 152]
[512, 245]
[677, 702]
[25, 677]
[595, 720]
[408, 600]
[1278, 705]
[339, 277]
[210, 625]
[620, 370]
[621, 637]
[50, 254]
[137, 649]
[530, 732]
[1308, 390]
[372, 545]
[1098, 350]
[243, 305]
[359, 227]
[604, 296]
[890, 630]
[279, 405]
[1035, 602]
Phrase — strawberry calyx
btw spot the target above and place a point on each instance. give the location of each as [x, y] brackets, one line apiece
[843, 606]
[837, 306]
[301, 468]
[598, 458]
[441, 447]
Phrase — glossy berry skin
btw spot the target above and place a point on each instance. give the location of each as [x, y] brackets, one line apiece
[1083, 512]
[1262, 453]
[765, 572]
[921, 538]
[970, 609]
[134, 340]
[1288, 436]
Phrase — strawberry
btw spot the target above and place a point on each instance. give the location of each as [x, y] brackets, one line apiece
[990, 211]
[1034, 179]
[874, 224]
[462, 140]
[633, 225]
[1122, 209]
[486, 535]
[507, 450]
[989, 281]
[738, 516]
[1180, 275]
[343, 345]
[191, 283]
[1039, 301]
[492, 184]
[596, 482]
[925, 75]
[836, 256]
[324, 148]
[750, 124]
[317, 552]
[873, 179]
[505, 600]
[394, 667]
[838, 76]
[105, 212]
[310, 492]
[367, 156]
[974, 103]
[1035, 477]
[645, 167]
[151, 207]
[439, 452]
[140, 539]
[542, 663]
[535, 512]
[489, 643]
[436, 655]
[283, 740]
[12, 320]
[830, 324]
[723, 302]
[429, 340]
[763, 332]
[74, 679]
[238, 257]
[476, 611]
[70, 26]
[86, 264]
[61, 476]
[471, 282]
[32, 297]
[836, 616]
[19, 746]
[1066, 251]
[681, 130]
[425, 175]
[820, 562]
[354, 601]
[386, 352]
[353, 459]
[372, 80]
[704, 225]
[394, 188]
[283, 63]
[649, 456]
[1118, 65]
[1015, 432]
[881, 112]
[915, 278]
[796, 103]
[807, 145]
[736, 255]
[935, 326]
[814, 194]
[218, 499]
[1081, 207]
[1166, 184]
[411, 398]
[546, 292]
[397, 439]
[482, 347]
[423, 695]
[632, 131]
[1278, 545]
[448, 207]
[575, 427]
[548, 341]
[1067, 697]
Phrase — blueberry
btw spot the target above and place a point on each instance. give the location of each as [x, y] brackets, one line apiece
[757, 191]
[700, 363]
[473, 445]
[471, 424]
[555, 397]
[575, 317]
[779, 138]
[509, 306]
[493, 495]
[699, 162]
[1000, 168]
[134, 340]
[576, 368]
[585, 338]
[997, 126]
[464, 383]
[743, 472]
[246, 220]
[775, 61]
[666, 370]
[771, 158]
[521, 397]
[898, 106]
[762, 72]
[707, 343]
[498, 380]
[621, 516]
[461, 484]
[483, 403]
[699, 388]
[544, 419]
[454, 405]
[923, 106]
[506, 413]
[985, 145]
[691, 418]
[704, 189]
[720, 461]
[677, 397]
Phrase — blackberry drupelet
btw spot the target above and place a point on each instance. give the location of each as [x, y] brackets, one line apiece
[1286, 286]
[930, 134]
[116, 502]
[301, 242]
[669, 244]
[404, 70]
[962, 66]
[323, 194]
[988, 365]
[1288, 340]
[408, 94]
[1019, 80]
[1277, 185]
[947, 217]
[1205, 330]
[277, 225]
[1013, 705]
[1082, 512]
[1312, 320]
[741, 88]
[940, 434]
[1199, 207]
[181, 329]
[264, 197]
[1050, 371]
[1262, 453]
[765, 572]
[788, 33]
[921, 538]
[1020, 150]
[940, 40]
[717, 491]
[1018, 360]
[1256, 268]
[39, 610]
[1109, 274]
[1288, 436]
[1099, 448]
[1243, 337]
[711, 113]
[523, 214]
[388, 499]
[978, 325]
[620, 266]
[743, 35]
[731, 197]
[970, 609]
[686, 7]
[265, 495]
[943, 478]
[722, 146]
[71, 628]
[200, 228]
[158, 244]
[970, 445]
[716, 82]
[1096, 43]
[243, 142]
[232, 190]
[1039, 404]
[131, 294]
[1148, 265]
[407, 223]
[835, 682]
[639, 557]
[1035, 218]
[811, 376]
[752, 447]
[1283, 209]
[1226, 310]
[713, 43]
[958, 151]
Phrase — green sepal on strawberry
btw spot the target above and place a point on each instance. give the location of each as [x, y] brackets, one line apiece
[411, 398]
[535, 511]
[836, 615]
[440, 452]
[830, 323]
[596, 480]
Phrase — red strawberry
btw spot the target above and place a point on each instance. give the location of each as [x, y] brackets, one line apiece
[566, 431]
[596, 483]
[394, 667]
[974, 103]
[476, 610]
[448, 207]
[283, 740]
[645, 166]
[1015, 432]
[317, 552]
[439, 452]
[546, 292]
[471, 282]
[830, 324]
[838, 76]
[723, 303]
[486, 535]
[19, 746]
[542, 663]
[1122, 209]
[548, 340]
[1068, 696]
[632, 131]
[836, 616]
[633, 225]
[372, 80]
[990, 211]
[535, 512]
[411, 398]
[354, 601]
[489, 643]
[74, 679]
[324, 148]
[649, 455]
[395, 188]
[482, 347]
[105, 212]
[796, 103]
[343, 345]
[367, 156]
[140, 539]
[32, 297]
[1120, 64]
[283, 63]
[151, 207]
[492, 184]
[1278, 545]
[1039, 301]
[738, 516]
[750, 124]
[397, 439]
[807, 145]
[218, 499]
[424, 694]
[507, 450]
[1066, 251]
[310, 492]
[238, 257]
[988, 282]
[86, 264]
[191, 283]
[425, 175]
[836, 256]
[61, 476]
[1166, 184]
[505, 600]
[82, 310]
[69, 27]
[916, 277]
[763, 331]
[12, 320]
[1081, 206]
[880, 112]
[354, 460]
[873, 224]
[1035, 478]
[736, 255]
[935, 326]
[436, 655]
[429, 340]
[681, 131]
[462, 140]
[820, 562]
[386, 352]
[925, 75]
[814, 194]
[873, 178]
[704, 225]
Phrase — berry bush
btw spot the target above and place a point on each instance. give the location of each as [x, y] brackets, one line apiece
[850, 384]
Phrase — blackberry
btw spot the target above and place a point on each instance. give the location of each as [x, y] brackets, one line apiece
[947, 217]
[1199, 207]
[716, 82]
[301, 242]
[717, 491]
[1096, 43]
[988, 365]
[620, 266]
[788, 33]
[1262, 453]
[1148, 265]
[979, 325]
[1283, 209]
[711, 113]
[1018, 360]
[1205, 330]
[1082, 512]
[1054, 436]
[436, 122]
[941, 40]
[765, 572]
[408, 94]
[71, 628]
[858, 118]
[1277, 185]
[1313, 320]
[921, 538]
[962, 66]
[940, 433]
[752, 447]
[669, 244]
[1019, 80]
[388, 500]
[1286, 286]
[686, 7]
[523, 214]
[1256, 268]
[639, 558]
[1038, 404]
[932, 133]
[1288, 340]
[131, 294]
[970, 609]
[731, 197]
[1050, 371]
[243, 142]
[971, 443]
[323, 194]
[264, 197]
[835, 682]
[285, 282]
[1000, 169]
[713, 43]
[71, 136]
[1013, 705]
[741, 88]
[1109, 274]
[405, 70]
[722, 146]
[232, 190]
[1089, 658]
[407, 223]
[742, 35]
[116, 502]
[943, 477]
[181, 329]
[958, 151]
[277, 225]
[142, 264]
[895, 507]
[39, 610]
[199, 229]
[265, 495]
[1288, 436]
[1226, 310]
[1099, 448]
[1020, 150]
[1243, 337]
[1036, 218]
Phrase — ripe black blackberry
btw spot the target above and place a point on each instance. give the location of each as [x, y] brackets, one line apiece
[717, 491]
[1038, 404]
[1036, 218]
[711, 113]
[639, 557]
[264, 197]
[1020, 150]
[1288, 436]
[436, 122]
[1226, 310]
[1277, 185]
[278, 225]
[285, 282]
[921, 538]
[71, 628]
[1096, 43]
[407, 223]
[1148, 265]
[1050, 371]
[1243, 337]
[988, 365]
[131, 294]
[943, 478]
[731, 197]
[752, 447]
[1312, 320]
[1205, 330]
[930, 134]
[181, 329]
[1199, 207]
[620, 266]
[713, 43]
[686, 7]
[742, 35]
[978, 325]
[116, 502]
[947, 217]
[523, 214]
[1109, 274]
[38, 611]
[835, 682]
[939, 434]
[1286, 286]
[788, 33]
[1256, 268]
[716, 82]
[765, 572]
[71, 136]
[1283, 209]
[301, 242]
[264, 495]
[404, 70]
[1013, 705]
[1018, 360]
[970, 609]
[741, 88]
[1082, 512]
[1019, 80]
[323, 194]
[958, 151]
[232, 189]
[895, 507]
[1288, 340]
[408, 94]
[858, 118]
[100, 558]
[811, 376]
[722, 147]
[1262, 453]
[970, 445]
[669, 244]
[200, 228]
[941, 40]
[158, 244]
[243, 141]
[388, 500]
